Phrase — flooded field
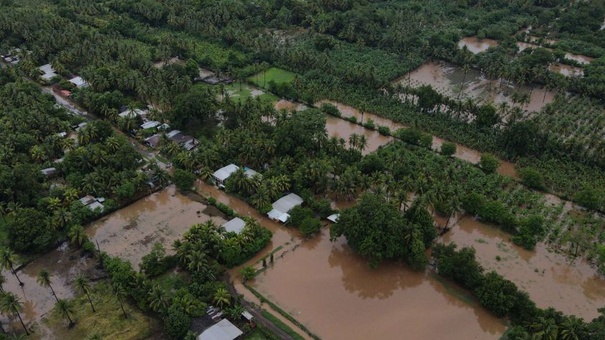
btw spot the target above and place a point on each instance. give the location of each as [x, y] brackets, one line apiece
[462, 152]
[336, 295]
[451, 81]
[475, 45]
[566, 70]
[549, 278]
[164, 217]
[284, 104]
[341, 128]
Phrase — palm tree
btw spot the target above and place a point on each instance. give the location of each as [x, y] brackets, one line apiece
[544, 329]
[222, 297]
[83, 286]
[120, 293]
[2, 281]
[66, 309]
[10, 304]
[573, 328]
[197, 261]
[44, 279]
[8, 258]
[77, 235]
[158, 301]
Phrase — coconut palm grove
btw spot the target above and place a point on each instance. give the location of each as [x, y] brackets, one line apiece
[162, 161]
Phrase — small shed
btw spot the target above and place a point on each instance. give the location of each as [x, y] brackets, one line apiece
[48, 172]
[86, 200]
[221, 175]
[150, 124]
[222, 330]
[333, 218]
[246, 315]
[153, 141]
[236, 225]
[95, 205]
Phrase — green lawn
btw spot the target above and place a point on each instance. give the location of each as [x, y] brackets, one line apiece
[240, 92]
[257, 334]
[278, 75]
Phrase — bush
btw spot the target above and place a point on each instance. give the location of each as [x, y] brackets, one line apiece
[489, 163]
[177, 323]
[532, 178]
[298, 214]
[370, 124]
[384, 130]
[310, 226]
[448, 149]
[156, 262]
[248, 273]
[330, 109]
[183, 179]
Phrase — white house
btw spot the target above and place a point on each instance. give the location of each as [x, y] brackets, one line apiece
[282, 206]
[333, 218]
[78, 82]
[133, 113]
[236, 225]
[222, 330]
[221, 175]
[48, 72]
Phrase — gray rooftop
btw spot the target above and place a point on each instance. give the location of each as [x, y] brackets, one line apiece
[236, 225]
[223, 330]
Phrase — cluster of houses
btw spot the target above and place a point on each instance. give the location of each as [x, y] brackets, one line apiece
[93, 203]
[47, 73]
[281, 207]
[12, 57]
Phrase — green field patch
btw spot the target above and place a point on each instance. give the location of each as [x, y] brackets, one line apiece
[240, 92]
[275, 74]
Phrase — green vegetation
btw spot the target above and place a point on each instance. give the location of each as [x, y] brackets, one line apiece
[106, 322]
[277, 322]
[274, 74]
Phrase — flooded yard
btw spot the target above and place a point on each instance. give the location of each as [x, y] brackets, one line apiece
[550, 279]
[336, 295]
[452, 81]
[475, 45]
[462, 152]
[163, 217]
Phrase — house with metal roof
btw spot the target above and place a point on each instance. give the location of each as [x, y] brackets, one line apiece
[236, 225]
[78, 82]
[282, 206]
[221, 175]
[222, 330]
[48, 72]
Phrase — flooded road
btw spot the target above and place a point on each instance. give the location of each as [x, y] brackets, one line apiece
[549, 278]
[451, 81]
[341, 128]
[164, 217]
[334, 292]
[462, 152]
[475, 45]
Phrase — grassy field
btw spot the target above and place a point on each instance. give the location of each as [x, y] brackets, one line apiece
[240, 92]
[257, 334]
[107, 323]
[278, 75]
[277, 322]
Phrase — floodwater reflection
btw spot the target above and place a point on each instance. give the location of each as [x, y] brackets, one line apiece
[337, 295]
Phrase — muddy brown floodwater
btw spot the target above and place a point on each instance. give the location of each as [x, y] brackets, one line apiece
[337, 295]
[475, 45]
[550, 279]
[462, 152]
[163, 217]
[451, 81]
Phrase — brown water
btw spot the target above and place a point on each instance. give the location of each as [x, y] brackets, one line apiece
[582, 59]
[164, 216]
[462, 152]
[549, 278]
[284, 104]
[341, 128]
[336, 295]
[63, 263]
[566, 70]
[451, 81]
[475, 45]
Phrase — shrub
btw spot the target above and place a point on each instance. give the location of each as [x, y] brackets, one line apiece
[532, 178]
[448, 149]
[183, 179]
[384, 130]
[370, 124]
[310, 226]
[489, 163]
[298, 214]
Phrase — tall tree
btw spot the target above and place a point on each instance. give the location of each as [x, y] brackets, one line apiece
[44, 279]
[222, 297]
[8, 258]
[10, 304]
[67, 310]
[83, 286]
